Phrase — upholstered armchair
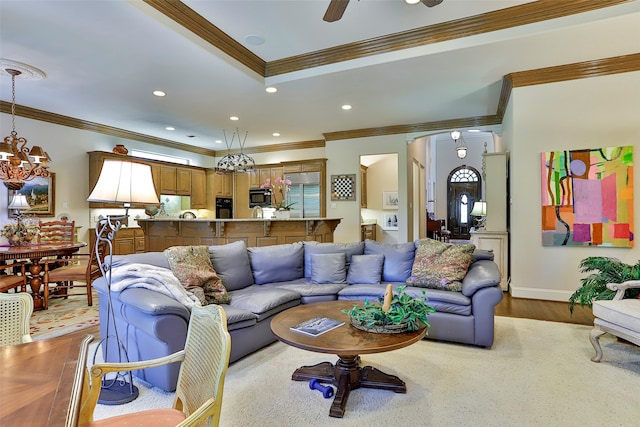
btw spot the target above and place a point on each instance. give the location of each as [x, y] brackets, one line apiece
[619, 317]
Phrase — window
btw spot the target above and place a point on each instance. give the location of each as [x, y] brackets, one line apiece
[162, 157]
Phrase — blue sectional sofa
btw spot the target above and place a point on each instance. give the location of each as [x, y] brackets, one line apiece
[263, 281]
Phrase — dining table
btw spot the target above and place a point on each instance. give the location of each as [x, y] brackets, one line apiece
[34, 253]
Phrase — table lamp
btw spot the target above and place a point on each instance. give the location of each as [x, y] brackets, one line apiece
[480, 212]
[123, 182]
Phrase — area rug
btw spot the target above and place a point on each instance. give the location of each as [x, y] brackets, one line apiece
[64, 316]
[537, 374]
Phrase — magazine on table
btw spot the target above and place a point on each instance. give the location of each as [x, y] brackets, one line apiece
[317, 326]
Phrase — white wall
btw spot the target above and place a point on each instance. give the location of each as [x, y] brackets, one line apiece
[68, 149]
[344, 158]
[587, 113]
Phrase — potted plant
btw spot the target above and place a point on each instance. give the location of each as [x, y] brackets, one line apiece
[279, 187]
[394, 313]
[603, 270]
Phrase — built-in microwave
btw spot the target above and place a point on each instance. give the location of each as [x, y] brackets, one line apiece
[259, 197]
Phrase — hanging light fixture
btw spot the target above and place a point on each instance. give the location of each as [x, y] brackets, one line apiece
[18, 163]
[461, 148]
[236, 162]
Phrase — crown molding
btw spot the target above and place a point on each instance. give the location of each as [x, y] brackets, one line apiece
[524, 14]
[58, 119]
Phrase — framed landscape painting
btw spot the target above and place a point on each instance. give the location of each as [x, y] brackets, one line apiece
[40, 194]
[587, 197]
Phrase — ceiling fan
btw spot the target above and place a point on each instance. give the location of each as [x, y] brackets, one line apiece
[337, 7]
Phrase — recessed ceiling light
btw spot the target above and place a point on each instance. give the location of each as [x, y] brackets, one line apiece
[234, 118]
[159, 93]
[276, 134]
[412, 1]
[473, 130]
[271, 89]
[170, 128]
[346, 107]
[254, 39]
[218, 141]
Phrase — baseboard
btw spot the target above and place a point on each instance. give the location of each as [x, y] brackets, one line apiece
[537, 293]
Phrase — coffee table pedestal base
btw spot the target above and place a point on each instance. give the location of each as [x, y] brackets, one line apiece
[347, 375]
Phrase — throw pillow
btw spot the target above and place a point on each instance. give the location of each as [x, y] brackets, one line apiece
[398, 259]
[231, 262]
[192, 267]
[312, 247]
[440, 265]
[277, 263]
[365, 269]
[328, 268]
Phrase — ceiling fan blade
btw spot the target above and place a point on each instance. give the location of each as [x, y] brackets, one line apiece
[431, 3]
[335, 10]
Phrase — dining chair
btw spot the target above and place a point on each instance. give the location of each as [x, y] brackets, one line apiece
[13, 281]
[56, 232]
[15, 311]
[198, 396]
[66, 272]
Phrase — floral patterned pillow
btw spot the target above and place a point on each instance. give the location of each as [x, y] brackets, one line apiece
[440, 265]
[192, 267]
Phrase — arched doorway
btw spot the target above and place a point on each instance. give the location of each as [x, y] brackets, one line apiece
[463, 189]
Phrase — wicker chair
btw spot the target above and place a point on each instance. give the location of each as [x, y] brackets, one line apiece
[198, 397]
[15, 311]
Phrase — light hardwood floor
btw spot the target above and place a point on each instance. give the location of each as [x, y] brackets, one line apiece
[554, 311]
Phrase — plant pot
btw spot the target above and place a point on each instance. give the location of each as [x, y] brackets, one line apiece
[380, 329]
[282, 214]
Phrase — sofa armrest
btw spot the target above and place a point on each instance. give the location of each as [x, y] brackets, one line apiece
[481, 274]
[152, 303]
[620, 288]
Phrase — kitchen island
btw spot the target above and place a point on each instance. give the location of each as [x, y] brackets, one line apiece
[161, 233]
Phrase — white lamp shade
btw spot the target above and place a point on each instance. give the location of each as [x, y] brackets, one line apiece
[124, 182]
[19, 201]
[461, 152]
[479, 209]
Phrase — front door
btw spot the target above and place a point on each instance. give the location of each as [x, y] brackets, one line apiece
[463, 190]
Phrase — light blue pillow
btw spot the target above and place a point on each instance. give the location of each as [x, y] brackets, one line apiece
[398, 259]
[365, 269]
[328, 268]
[277, 263]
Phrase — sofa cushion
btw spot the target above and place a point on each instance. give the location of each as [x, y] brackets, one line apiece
[264, 301]
[238, 318]
[192, 266]
[277, 263]
[154, 258]
[231, 262]
[365, 269]
[328, 268]
[398, 259]
[312, 247]
[440, 265]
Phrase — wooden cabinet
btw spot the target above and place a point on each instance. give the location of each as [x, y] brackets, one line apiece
[168, 179]
[183, 182]
[126, 241]
[223, 185]
[368, 231]
[198, 189]
[363, 186]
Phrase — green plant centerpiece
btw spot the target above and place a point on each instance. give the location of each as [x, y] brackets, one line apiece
[393, 313]
[603, 270]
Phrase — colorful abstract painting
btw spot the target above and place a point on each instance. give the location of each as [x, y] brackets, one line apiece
[587, 197]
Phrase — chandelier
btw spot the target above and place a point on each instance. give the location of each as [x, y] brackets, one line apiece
[461, 148]
[18, 163]
[236, 162]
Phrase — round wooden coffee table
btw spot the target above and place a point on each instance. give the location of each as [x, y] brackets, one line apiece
[347, 343]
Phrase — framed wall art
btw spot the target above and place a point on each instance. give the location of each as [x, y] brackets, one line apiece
[389, 200]
[390, 221]
[343, 187]
[40, 194]
[587, 197]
